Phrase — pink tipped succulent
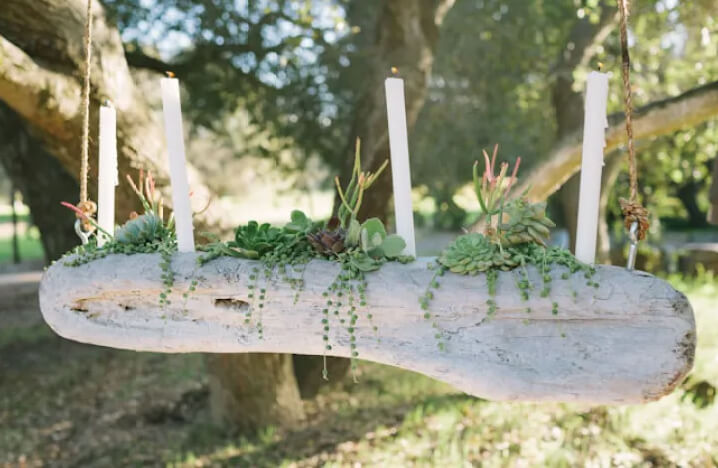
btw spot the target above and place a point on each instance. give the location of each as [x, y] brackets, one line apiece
[492, 190]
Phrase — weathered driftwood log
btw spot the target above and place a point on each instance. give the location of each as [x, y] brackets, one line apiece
[630, 340]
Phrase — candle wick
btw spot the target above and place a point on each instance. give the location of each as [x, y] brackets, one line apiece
[600, 66]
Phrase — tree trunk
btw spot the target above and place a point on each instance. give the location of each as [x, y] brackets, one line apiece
[40, 69]
[15, 235]
[713, 195]
[404, 36]
[42, 181]
[687, 194]
[655, 119]
[251, 391]
[41, 52]
[611, 171]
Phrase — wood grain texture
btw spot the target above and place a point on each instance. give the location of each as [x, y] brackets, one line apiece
[630, 340]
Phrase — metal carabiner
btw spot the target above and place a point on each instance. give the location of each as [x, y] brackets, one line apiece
[633, 249]
[84, 236]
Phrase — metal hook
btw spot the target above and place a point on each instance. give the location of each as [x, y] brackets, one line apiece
[633, 249]
[84, 236]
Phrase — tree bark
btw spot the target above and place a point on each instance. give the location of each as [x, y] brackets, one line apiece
[713, 194]
[40, 80]
[251, 391]
[42, 180]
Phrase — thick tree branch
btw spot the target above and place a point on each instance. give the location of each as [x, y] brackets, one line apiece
[655, 119]
[46, 93]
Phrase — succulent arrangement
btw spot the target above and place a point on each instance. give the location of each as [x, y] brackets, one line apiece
[148, 232]
[358, 246]
[142, 233]
[514, 236]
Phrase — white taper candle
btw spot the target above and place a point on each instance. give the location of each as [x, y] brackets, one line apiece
[400, 170]
[594, 140]
[178, 164]
[107, 178]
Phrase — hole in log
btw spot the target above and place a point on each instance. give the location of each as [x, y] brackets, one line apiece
[231, 304]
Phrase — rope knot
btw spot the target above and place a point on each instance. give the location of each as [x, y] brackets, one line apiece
[85, 211]
[635, 212]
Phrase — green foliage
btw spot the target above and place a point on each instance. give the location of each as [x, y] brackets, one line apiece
[351, 197]
[376, 243]
[256, 240]
[474, 253]
[145, 233]
[527, 223]
[143, 229]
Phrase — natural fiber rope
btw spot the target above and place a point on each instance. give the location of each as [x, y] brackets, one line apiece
[85, 205]
[85, 151]
[632, 209]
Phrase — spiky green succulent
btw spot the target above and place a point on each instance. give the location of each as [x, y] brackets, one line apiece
[474, 253]
[256, 239]
[144, 229]
[525, 223]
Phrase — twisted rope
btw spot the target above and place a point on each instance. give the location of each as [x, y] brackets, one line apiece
[632, 209]
[85, 205]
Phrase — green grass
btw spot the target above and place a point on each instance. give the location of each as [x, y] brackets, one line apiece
[30, 248]
[7, 218]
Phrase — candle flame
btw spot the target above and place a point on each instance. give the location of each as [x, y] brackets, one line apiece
[600, 66]
[394, 71]
[170, 74]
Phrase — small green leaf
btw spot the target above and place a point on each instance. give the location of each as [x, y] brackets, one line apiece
[393, 245]
[354, 233]
[374, 226]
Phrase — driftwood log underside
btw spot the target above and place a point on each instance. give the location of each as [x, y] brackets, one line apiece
[630, 340]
